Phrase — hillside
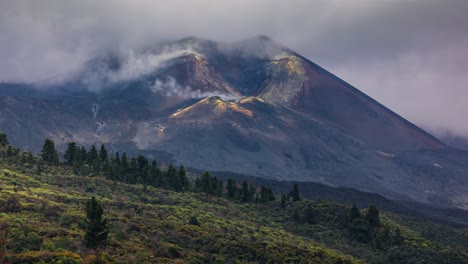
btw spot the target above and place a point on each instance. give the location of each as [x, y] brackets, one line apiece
[43, 219]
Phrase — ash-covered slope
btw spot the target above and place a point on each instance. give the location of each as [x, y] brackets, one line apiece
[252, 107]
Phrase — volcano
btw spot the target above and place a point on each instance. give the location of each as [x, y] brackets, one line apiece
[252, 107]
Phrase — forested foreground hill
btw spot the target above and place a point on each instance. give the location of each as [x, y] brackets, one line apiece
[43, 220]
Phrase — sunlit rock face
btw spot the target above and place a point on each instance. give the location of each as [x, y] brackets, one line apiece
[252, 107]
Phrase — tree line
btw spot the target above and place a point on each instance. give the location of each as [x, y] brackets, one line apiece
[140, 170]
[94, 161]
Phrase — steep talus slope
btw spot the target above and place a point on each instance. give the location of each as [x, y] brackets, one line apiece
[252, 107]
[306, 87]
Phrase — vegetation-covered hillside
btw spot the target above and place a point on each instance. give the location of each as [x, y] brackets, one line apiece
[189, 219]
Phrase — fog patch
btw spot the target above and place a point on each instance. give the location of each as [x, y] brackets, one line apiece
[170, 87]
[125, 65]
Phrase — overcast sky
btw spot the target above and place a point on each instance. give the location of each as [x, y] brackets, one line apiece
[411, 55]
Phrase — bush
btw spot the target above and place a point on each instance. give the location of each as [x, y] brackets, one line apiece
[194, 221]
[20, 242]
[96, 259]
[66, 257]
[11, 205]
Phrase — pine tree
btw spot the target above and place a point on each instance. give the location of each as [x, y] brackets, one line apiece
[142, 170]
[156, 179]
[49, 153]
[359, 229]
[263, 195]
[92, 155]
[112, 169]
[3, 140]
[397, 238]
[295, 196]
[198, 184]
[115, 169]
[271, 195]
[252, 191]
[172, 178]
[309, 215]
[12, 152]
[246, 193]
[354, 213]
[80, 162]
[183, 180]
[132, 172]
[93, 159]
[124, 165]
[104, 158]
[372, 216]
[70, 153]
[208, 184]
[117, 158]
[231, 189]
[283, 201]
[383, 239]
[219, 187]
[266, 195]
[96, 228]
[83, 155]
[103, 154]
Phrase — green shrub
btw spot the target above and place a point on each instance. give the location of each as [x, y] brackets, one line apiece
[11, 205]
[45, 257]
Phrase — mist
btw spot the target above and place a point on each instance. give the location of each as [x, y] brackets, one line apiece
[170, 87]
[123, 65]
[409, 55]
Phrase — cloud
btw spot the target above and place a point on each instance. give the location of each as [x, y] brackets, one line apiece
[136, 64]
[130, 64]
[126, 64]
[170, 87]
[428, 88]
[42, 40]
[410, 55]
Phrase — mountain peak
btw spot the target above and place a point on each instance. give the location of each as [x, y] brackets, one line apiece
[197, 44]
[196, 39]
[193, 39]
[263, 38]
[260, 40]
[260, 46]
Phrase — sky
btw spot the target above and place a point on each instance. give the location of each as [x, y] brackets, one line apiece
[411, 55]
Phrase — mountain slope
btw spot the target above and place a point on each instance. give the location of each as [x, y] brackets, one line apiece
[306, 87]
[42, 219]
[252, 107]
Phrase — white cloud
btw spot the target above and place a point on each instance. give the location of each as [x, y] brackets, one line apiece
[170, 87]
[428, 88]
